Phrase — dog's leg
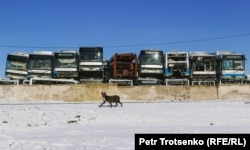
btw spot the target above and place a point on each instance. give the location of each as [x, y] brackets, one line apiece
[102, 103]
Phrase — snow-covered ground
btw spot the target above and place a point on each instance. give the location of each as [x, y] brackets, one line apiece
[49, 126]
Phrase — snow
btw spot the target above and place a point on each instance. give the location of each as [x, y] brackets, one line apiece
[63, 126]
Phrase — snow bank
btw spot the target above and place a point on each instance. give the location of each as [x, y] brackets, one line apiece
[86, 126]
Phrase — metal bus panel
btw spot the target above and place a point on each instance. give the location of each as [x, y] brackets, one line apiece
[176, 65]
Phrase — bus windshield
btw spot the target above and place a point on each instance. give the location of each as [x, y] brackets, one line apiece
[205, 64]
[65, 60]
[40, 62]
[17, 62]
[95, 56]
[151, 59]
[233, 64]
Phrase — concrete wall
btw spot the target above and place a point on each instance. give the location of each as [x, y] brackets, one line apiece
[91, 92]
[237, 92]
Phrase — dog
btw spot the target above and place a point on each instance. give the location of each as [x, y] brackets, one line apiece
[110, 99]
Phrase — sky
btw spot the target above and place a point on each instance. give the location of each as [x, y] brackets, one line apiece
[124, 26]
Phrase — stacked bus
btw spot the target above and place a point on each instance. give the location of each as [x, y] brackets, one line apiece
[176, 68]
[230, 67]
[40, 64]
[150, 67]
[203, 68]
[91, 64]
[65, 64]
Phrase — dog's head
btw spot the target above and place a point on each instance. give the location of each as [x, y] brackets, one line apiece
[103, 94]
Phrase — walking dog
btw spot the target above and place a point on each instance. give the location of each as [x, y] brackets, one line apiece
[110, 99]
